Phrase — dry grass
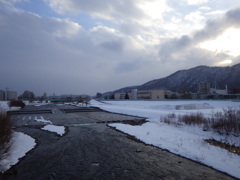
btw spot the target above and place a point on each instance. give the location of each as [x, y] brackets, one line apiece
[230, 148]
[226, 122]
[5, 134]
[193, 119]
[171, 119]
[15, 103]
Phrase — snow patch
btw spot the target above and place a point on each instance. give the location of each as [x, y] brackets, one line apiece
[60, 130]
[41, 119]
[21, 144]
[194, 106]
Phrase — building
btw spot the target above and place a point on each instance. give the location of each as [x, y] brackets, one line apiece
[45, 96]
[151, 94]
[219, 91]
[8, 95]
[99, 95]
[28, 95]
[195, 96]
[167, 94]
[134, 94]
[122, 95]
[2, 95]
[203, 88]
[234, 91]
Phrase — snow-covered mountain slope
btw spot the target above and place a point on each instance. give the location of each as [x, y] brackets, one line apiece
[188, 79]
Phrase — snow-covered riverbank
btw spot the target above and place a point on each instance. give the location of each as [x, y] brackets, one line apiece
[187, 141]
[22, 143]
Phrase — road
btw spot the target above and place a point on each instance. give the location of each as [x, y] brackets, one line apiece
[92, 150]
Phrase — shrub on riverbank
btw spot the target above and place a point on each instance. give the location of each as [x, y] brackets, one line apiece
[5, 134]
[15, 103]
[226, 122]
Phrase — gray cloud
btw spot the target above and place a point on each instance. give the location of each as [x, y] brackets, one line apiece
[59, 56]
[113, 45]
[106, 9]
[125, 14]
[126, 67]
[215, 27]
[183, 48]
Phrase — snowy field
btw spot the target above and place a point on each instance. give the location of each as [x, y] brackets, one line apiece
[22, 143]
[187, 141]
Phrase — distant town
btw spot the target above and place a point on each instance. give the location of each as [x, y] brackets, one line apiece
[204, 91]
[8, 95]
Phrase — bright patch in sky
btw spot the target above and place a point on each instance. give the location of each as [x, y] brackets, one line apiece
[228, 42]
[154, 9]
[226, 62]
[197, 2]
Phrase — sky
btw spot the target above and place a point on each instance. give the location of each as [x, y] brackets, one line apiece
[90, 46]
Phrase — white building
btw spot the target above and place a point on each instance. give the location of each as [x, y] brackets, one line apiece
[134, 94]
[8, 95]
[219, 91]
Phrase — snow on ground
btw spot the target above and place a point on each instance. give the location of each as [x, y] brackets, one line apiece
[77, 104]
[153, 110]
[4, 107]
[21, 144]
[187, 141]
[38, 104]
[60, 130]
[41, 119]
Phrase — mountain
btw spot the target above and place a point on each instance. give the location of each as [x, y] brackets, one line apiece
[188, 79]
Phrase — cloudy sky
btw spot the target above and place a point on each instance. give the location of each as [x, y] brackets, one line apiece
[89, 46]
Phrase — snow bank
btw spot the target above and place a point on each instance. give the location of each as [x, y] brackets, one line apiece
[156, 109]
[187, 142]
[60, 130]
[5, 107]
[21, 144]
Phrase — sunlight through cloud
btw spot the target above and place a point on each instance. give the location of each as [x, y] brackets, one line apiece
[154, 9]
[226, 62]
[228, 43]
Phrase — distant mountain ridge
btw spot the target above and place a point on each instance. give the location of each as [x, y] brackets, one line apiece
[188, 79]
